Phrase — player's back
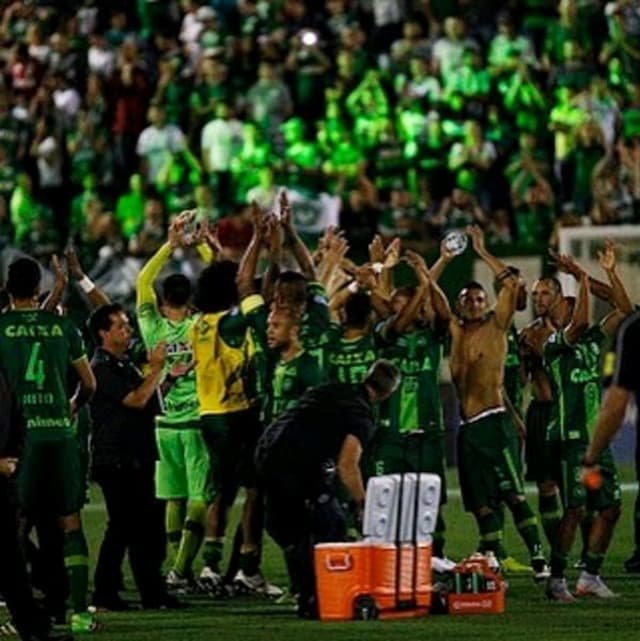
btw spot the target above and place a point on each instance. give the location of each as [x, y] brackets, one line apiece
[37, 347]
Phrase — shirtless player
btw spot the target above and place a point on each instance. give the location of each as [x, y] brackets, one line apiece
[486, 454]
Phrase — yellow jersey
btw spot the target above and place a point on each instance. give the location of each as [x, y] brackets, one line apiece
[222, 369]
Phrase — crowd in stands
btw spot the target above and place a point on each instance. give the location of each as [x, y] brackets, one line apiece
[422, 115]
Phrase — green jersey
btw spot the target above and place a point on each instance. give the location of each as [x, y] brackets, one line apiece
[181, 401]
[512, 370]
[316, 321]
[415, 405]
[291, 379]
[348, 359]
[575, 376]
[36, 349]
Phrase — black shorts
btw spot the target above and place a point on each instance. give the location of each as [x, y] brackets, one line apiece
[231, 441]
[536, 449]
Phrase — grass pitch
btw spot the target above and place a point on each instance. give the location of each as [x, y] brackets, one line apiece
[528, 617]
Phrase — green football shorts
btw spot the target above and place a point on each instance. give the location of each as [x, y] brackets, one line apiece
[50, 477]
[567, 473]
[413, 452]
[183, 471]
[536, 448]
[487, 461]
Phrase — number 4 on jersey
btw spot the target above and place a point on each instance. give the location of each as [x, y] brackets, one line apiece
[35, 367]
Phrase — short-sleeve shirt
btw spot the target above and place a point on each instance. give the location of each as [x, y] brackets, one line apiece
[416, 404]
[315, 429]
[36, 349]
[575, 376]
[120, 435]
[347, 360]
[291, 379]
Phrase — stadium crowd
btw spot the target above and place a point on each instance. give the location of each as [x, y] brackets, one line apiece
[424, 118]
[421, 116]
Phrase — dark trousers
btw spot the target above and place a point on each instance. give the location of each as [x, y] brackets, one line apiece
[301, 510]
[135, 525]
[14, 582]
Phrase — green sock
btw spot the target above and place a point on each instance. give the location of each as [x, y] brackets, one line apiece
[250, 562]
[191, 538]
[593, 562]
[174, 522]
[490, 533]
[585, 529]
[550, 514]
[527, 526]
[438, 538]
[76, 562]
[501, 552]
[212, 553]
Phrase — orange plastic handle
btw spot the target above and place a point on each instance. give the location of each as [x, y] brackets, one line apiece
[339, 562]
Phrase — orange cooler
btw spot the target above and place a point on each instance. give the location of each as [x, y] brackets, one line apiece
[383, 574]
[343, 572]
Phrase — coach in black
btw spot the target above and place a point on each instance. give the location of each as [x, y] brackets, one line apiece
[31, 622]
[123, 457]
[294, 455]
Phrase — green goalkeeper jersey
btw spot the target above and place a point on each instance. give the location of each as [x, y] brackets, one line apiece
[36, 349]
[291, 379]
[181, 400]
[575, 375]
[415, 405]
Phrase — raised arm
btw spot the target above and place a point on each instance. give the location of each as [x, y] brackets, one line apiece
[411, 310]
[507, 296]
[60, 281]
[299, 249]
[619, 296]
[274, 235]
[569, 265]
[97, 298]
[580, 318]
[249, 262]
[446, 256]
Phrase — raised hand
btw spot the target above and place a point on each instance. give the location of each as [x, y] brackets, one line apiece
[416, 261]
[366, 276]
[445, 253]
[392, 254]
[59, 275]
[210, 236]
[477, 238]
[566, 264]
[607, 258]
[285, 210]
[73, 263]
[376, 249]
